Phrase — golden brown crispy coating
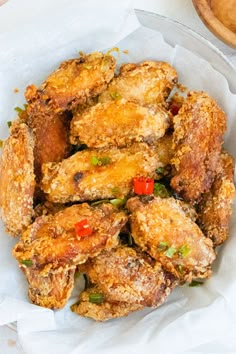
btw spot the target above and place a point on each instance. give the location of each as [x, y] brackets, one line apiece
[78, 179]
[104, 311]
[50, 288]
[198, 136]
[51, 241]
[75, 81]
[161, 228]
[118, 123]
[149, 82]
[216, 206]
[128, 275]
[17, 180]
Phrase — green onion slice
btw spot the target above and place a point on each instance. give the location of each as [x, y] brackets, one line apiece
[160, 170]
[162, 246]
[195, 283]
[96, 298]
[184, 251]
[115, 95]
[100, 161]
[26, 262]
[118, 202]
[170, 252]
[160, 190]
[9, 123]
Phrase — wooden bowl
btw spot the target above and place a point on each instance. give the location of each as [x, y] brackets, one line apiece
[220, 17]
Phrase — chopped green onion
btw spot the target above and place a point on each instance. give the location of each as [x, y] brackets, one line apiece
[184, 250]
[195, 283]
[115, 95]
[96, 298]
[98, 202]
[118, 202]
[1, 143]
[160, 190]
[170, 252]
[179, 268]
[160, 170]
[162, 246]
[100, 161]
[26, 262]
[9, 123]
[18, 110]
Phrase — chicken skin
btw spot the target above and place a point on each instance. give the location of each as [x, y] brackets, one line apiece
[198, 136]
[162, 229]
[215, 207]
[75, 81]
[51, 241]
[128, 275]
[118, 123]
[147, 83]
[97, 174]
[17, 179]
[103, 311]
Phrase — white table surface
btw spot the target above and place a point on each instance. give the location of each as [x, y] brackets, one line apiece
[183, 12]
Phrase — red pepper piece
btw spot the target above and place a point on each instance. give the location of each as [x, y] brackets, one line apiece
[83, 229]
[174, 108]
[143, 185]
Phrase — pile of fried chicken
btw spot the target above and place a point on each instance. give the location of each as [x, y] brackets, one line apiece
[106, 175]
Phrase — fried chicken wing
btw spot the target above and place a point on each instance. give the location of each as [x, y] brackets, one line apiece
[52, 242]
[128, 275]
[198, 137]
[97, 174]
[118, 123]
[17, 180]
[162, 229]
[103, 311]
[75, 81]
[216, 206]
[50, 288]
[149, 82]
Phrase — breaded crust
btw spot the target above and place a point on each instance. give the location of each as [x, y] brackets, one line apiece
[17, 180]
[78, 179]
[162, 229]
[128, 275]
[52, 288]
[51, 241]
[75, 81]
[198, 137]
[118, 123]
[104, 311]
[149, 82]
[216, 206]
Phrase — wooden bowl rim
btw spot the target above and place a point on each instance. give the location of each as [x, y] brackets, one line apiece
[213, 23]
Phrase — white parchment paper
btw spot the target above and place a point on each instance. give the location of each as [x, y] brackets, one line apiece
[193, 320]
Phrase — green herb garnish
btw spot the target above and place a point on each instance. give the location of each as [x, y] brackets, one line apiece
[161, 170]
[179, 268]
[118, 202]
[170, 252]
[115, 95]
[195, 283]
[26, 262]
[9, 123]
[96, 298]
[160, 190]
[98, 202]
[162, 246]
[100, 161]
[184, 250]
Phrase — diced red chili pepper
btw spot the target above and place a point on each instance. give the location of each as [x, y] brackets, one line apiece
[174, 108]
[143, 185]
[82, 228]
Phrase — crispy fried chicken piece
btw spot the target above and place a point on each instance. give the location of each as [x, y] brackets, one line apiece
[17, 179]
[118, 123]
[97, 174]
[50, 288]
[75, 81]
[149, 82]
[198, 137]
[128, 275]
[104, 311]
[161, 228]
[51, 241]
[216, 206]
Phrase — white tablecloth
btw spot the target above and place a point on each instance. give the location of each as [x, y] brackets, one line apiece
[183, 12]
